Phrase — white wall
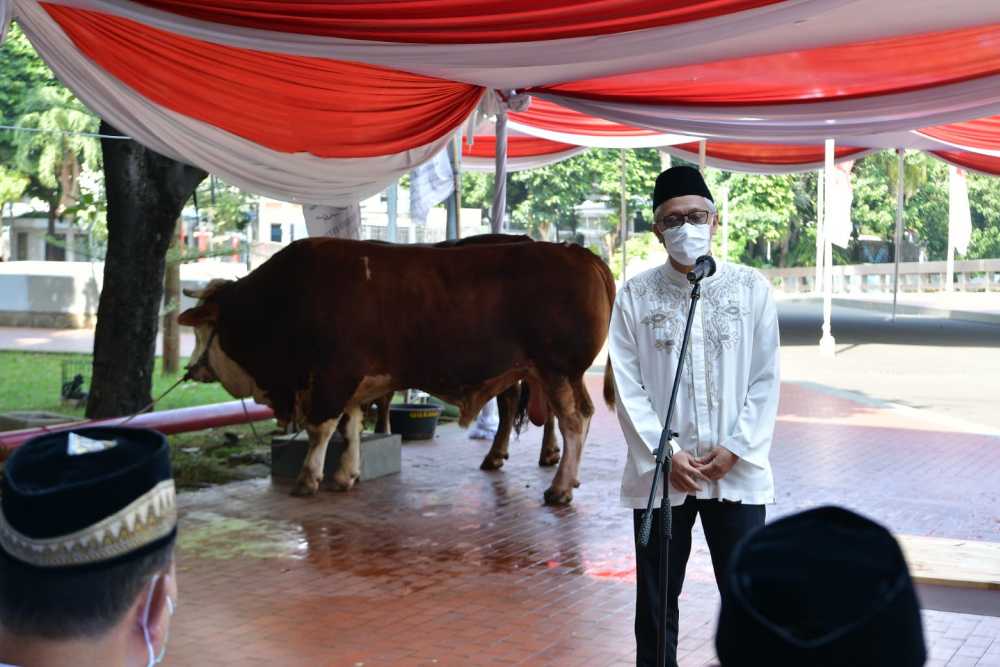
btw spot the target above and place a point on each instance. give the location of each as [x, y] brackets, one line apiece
[66, 294]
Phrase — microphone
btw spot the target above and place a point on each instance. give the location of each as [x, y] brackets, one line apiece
[704, 267]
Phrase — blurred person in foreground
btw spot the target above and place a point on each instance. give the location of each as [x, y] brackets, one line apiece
[88, 523]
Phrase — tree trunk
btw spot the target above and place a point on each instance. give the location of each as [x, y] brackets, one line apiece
[171, 307]
[145, 192]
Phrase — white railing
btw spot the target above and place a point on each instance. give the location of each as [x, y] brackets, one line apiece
[973, 275]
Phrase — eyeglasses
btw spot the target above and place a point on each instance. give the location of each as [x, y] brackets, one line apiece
[691, 217]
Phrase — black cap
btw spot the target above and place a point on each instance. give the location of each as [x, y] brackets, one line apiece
[679, 181]
[824, 588]
[87, 496]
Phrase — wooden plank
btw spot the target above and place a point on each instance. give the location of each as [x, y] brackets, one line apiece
[943, 561]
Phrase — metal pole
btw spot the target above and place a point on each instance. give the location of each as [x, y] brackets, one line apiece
[500, 175]
[949, 280]
[725, 223]
[457, 165]
[900, 167]
[818, 285]
[624, 219]
[391, 201]
[827, 343]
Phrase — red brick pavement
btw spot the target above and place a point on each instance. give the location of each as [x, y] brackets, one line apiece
[448, 565]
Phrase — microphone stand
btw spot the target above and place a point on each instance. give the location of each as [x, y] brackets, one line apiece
[663, 461]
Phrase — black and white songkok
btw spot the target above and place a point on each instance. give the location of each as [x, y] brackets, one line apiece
[87, 497]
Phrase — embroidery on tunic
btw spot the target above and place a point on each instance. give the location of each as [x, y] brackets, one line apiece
[665, 302]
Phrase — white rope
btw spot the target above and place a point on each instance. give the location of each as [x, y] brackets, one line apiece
[96, 135]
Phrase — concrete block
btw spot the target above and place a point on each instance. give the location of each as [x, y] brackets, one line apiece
[381, 455]
[15, 421]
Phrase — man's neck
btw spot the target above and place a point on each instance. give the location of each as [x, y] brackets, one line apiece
[680, 268]
[106, 651]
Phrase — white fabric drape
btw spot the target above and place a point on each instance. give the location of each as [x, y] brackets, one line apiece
[959, 215]
[430, 184]
[488, 165]
[295, 177]
[601, 141]
[749, 168]
[784, 26]
[807, 123]
[837, 225]
[342, 222]
[6, 11]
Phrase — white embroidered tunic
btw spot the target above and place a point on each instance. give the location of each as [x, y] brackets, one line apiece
[728, 394]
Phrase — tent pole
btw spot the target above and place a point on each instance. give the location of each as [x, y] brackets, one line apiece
[827, 343]
[818, 285]
[391, 201]
[725, 224]
[949, 280]
[624, 219]
[900, 167]
[500, 175]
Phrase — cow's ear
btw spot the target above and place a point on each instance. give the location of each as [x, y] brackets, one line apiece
[206, 313]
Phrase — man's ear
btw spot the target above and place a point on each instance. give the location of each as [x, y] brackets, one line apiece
[158, 595]
[206, 313]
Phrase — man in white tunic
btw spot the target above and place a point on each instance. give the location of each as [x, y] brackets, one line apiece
[727, 399]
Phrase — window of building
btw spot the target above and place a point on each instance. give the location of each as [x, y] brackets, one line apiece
[58, 248]
[22, 247]
[276, 233]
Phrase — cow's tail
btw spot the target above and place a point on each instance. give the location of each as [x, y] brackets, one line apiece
[609, 384]
[523, 401]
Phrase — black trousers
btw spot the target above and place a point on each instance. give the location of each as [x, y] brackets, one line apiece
[725, 524]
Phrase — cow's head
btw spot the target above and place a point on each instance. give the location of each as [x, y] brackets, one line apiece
[207, 362]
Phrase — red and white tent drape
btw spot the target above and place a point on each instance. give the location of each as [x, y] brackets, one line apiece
[328, 102]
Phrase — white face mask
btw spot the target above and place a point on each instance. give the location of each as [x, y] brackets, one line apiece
[688, 242]
[154, 659]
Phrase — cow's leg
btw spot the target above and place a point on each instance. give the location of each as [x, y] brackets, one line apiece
[382, 420]
[571, 403]
[312, 468]
[549, 456]
[350, 463]
[506, 406]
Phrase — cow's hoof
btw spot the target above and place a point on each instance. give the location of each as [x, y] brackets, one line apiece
[344, 481]
[554, 496]
[492, 462]
[549, 458]
[305, 487]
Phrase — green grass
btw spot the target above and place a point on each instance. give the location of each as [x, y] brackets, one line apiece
[32, 381]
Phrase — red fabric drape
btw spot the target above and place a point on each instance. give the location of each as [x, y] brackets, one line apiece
[547, 115]
[454, 21]
[976, 161]
[767, 154]
[839, 72]
[485, 147]
[981, 133]
[290, 104]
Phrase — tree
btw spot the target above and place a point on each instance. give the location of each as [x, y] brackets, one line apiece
[12, 186]
[21, 71]
[761, 211]
[543, 200]
[145, 192]
[55, 155]
[226, 206]
[984, 201]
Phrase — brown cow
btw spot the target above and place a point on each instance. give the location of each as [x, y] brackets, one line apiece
[327, 325]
